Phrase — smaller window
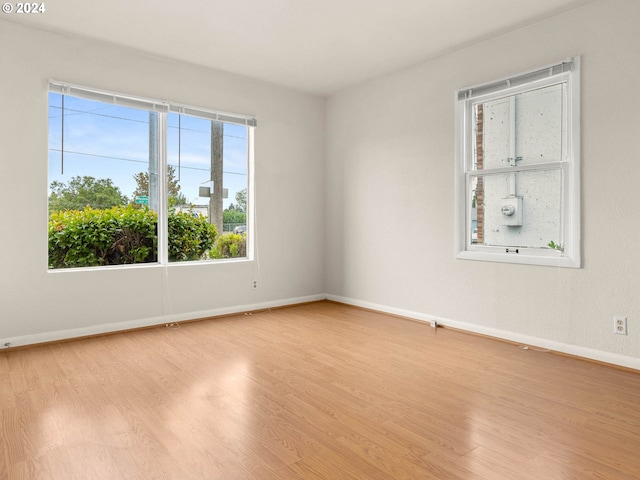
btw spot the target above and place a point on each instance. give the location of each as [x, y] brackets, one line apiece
[517, 168]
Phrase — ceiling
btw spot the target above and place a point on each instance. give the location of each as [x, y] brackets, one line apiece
[318, 46]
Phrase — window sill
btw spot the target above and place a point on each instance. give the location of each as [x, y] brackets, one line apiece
[151, 265]
[521, 258]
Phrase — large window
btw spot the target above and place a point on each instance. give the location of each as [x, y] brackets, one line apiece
[517, 168]
[134, 181]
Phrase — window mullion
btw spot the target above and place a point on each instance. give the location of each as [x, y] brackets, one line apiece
[163, 235]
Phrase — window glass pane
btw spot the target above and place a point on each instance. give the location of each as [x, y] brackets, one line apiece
[99, 155]
[520, 209]
[523, 129]
[207, 170]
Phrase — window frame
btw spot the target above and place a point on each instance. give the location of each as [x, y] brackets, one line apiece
[568, 73]
[163, 108]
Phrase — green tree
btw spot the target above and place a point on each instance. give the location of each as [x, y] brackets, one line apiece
[84, 191]
[241, 199]
[234, 216]
[175, 196]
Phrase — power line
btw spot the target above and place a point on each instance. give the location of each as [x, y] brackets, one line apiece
[115, 117]
[132, 160]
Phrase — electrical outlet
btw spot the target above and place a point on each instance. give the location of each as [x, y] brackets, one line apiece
[620, 325]
[254, 285]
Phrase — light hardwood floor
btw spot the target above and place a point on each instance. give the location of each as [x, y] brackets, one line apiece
[318, 391]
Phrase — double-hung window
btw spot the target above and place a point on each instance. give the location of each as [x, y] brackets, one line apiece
[139, 181]
[518, 168]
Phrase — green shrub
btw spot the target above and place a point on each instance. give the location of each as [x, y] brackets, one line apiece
[123, 235]
[190, 236]
[93, 237]
[232, 245]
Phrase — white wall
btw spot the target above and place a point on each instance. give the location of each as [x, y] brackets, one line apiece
[365, 214]
[390, 193]
[37, 305]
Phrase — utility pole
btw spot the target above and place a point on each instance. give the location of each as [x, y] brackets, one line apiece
[215, 200]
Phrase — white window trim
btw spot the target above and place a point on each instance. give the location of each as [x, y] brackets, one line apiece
[163, 108]
[464, 99]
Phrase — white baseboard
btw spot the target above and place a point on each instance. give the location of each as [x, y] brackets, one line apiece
[575, 350]
[67, 334]
[584, 352]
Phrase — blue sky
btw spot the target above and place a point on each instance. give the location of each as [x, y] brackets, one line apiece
[109, 141]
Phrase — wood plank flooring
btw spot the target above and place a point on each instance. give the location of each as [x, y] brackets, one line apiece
[317, 391]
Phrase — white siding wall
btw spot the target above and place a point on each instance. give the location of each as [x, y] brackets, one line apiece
[537, 139]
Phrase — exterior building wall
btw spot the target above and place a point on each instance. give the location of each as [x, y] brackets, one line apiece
[524, 129]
